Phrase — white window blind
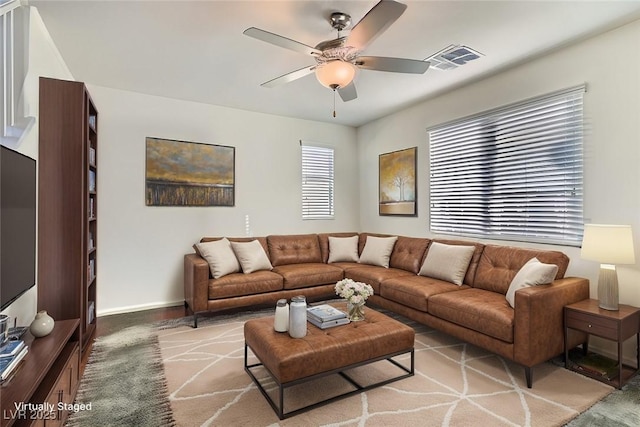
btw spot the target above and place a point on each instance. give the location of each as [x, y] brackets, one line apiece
[514, 173]
[317, 182]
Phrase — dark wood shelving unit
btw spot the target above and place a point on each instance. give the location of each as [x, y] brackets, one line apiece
[48, 373]
[68, 204]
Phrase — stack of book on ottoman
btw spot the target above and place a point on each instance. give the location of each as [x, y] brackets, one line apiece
[325, 316]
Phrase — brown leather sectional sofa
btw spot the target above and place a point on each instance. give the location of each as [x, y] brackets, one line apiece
[475, 311]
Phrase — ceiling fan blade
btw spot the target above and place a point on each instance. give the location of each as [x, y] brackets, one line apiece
[374, 23]
[289, 77]
[277, 40]
[394, 65]
[348, 92]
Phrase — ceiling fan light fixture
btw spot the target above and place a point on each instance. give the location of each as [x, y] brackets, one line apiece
[335, 74]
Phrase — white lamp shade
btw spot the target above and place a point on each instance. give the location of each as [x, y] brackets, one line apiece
[608, 244]
[335, 74]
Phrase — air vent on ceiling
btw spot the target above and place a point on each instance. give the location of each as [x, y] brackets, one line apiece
[452, 56]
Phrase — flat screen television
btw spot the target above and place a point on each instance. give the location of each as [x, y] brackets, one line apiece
[17, 225]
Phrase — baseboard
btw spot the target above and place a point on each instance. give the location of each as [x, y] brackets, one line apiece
[140, 307]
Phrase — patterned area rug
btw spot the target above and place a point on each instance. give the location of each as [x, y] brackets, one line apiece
[456, 384]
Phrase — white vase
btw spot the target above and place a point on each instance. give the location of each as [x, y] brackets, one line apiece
[42, 325]
[298, 317]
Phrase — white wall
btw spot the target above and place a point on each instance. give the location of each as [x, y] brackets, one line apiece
[141, 248]
[44, 60]
[612, 140]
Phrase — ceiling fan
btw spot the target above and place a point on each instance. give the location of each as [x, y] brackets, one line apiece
[337, 59]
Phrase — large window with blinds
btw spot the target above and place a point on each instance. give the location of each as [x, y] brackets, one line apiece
[513, 173]
[317, 182]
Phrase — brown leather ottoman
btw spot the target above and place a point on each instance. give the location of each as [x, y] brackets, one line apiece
[330, 351]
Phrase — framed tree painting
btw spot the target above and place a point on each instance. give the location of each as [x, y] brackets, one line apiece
[180, 173]
[397, 183]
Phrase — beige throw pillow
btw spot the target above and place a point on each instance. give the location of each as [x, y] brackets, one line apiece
[220, 256]
[447, 262]
[377, 251]
[252, 256]
[533, 273]
[343, 249]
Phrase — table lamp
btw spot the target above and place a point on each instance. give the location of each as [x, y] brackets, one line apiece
[609, 245]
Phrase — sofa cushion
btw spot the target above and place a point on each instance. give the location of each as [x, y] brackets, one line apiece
[469, 278]
[219, 256]
[323, 240]
[377, 251]
[251, 256]
[499, 264]
[239, 284]
[447, 262]
[294, 249]
[476, 309]
[408, 253]
[533, 273]
[343, 249]
[414, 291]
[374, 275]
[307, 275]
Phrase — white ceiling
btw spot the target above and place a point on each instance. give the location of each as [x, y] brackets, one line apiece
[196, 50]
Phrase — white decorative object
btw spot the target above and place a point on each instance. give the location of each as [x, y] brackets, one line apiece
[281, 320]
[42, 325]
[298, 317]
[609, 245]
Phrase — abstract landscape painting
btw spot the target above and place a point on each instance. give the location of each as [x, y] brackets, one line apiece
[180, 173]
[397, 175]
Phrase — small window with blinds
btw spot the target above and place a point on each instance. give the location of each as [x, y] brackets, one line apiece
[317, 182]
[513, 173]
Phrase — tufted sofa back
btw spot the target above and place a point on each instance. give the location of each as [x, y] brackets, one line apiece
[499, 264]
[408, 253]
[294, 249]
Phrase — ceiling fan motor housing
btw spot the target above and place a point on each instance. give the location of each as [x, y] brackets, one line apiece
[339, 20]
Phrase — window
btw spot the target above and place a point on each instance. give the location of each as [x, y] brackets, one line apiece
[514, 173]
[317, 182]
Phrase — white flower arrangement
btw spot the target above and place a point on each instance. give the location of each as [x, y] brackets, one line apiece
[352, 291]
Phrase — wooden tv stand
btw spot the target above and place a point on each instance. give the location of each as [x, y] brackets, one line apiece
[49, 373]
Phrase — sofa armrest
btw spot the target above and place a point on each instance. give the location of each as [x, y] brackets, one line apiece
[196, 282]
[539, 319]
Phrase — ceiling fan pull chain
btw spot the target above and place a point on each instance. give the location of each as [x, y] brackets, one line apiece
[334, 103]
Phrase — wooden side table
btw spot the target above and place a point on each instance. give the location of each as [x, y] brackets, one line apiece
[616, 326]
